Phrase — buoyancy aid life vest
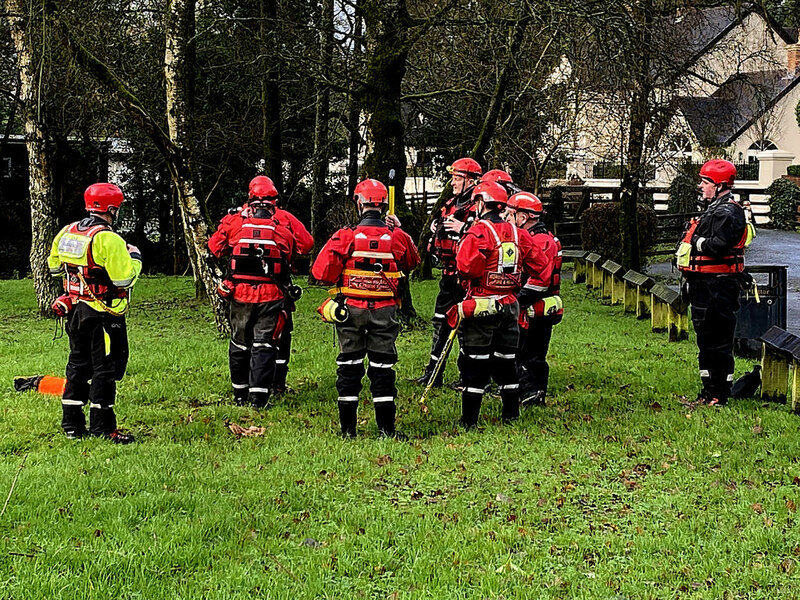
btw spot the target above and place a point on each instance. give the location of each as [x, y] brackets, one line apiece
[256, 255]
[691, 260]
[85, 279]
[445, 243]
[371, 270]
[550, 305]
[504, 263]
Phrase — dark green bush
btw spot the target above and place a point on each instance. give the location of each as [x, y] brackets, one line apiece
[600, 229]
[793, 170]
[784, 197]
[797, 113]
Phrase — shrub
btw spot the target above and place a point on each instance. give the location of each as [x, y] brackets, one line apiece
[784, 197]
[797, 113]
[793, 170]
[683, 189]
[600, 229]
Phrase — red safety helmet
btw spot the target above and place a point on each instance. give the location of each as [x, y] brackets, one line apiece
[497, 175]
[491, 193]
[262, 190]
[100, 197]
[467, 167]
[721, 172]
[527, 202]
[371, 192]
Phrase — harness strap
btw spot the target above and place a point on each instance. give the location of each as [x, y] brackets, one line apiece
[110, 310]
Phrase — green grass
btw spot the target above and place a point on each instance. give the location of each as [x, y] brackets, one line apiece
[613, 490]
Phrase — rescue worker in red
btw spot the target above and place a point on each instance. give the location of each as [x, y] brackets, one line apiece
[492, 259]
[447, 229]
[304, 242]
[366, 262]
[261, 251]
[539, 299]
[503, 178]
[710, 256]
[99, 270]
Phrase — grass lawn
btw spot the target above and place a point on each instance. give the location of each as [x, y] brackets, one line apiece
[614, 490]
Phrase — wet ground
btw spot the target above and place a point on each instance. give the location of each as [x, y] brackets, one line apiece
[768, 248]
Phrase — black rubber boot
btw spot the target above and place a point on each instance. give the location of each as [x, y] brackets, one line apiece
[510, 408]
[102, 421]
[73, 422]
[470, 410]
[385, 413]
[348, 412]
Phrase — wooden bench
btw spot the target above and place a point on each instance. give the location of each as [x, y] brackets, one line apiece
[637, 293]
[668, 312]
[780, 355]
[613, 285]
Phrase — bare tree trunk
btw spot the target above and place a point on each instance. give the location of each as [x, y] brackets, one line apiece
[628, 222]
[354, 113]
[271, 100]
[353, 117]
[321, 158]
[387, 25]
[177, 70]
[43, 215]
[632, 173]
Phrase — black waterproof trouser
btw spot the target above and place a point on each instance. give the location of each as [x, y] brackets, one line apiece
[532, 368]
[451, 292]
[98, 357]
[255, 334]
[284, 353]
[488, 351]
[371, 334]
[714, 300]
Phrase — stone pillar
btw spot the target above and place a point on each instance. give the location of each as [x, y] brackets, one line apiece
[772, 165]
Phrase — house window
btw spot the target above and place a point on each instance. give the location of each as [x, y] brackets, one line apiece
[682, 146]
[759, 146]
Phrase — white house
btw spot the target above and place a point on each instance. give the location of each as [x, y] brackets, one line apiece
[737, 96]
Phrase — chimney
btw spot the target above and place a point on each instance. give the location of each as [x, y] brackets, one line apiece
[793, 58]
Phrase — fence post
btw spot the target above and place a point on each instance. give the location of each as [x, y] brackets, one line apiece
[586, 198]
[555, 211]
[772, 165]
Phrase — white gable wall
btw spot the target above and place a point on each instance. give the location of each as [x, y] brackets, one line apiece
[752, 46]
[781, 128]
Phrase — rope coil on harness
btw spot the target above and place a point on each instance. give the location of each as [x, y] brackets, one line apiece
[109, 309]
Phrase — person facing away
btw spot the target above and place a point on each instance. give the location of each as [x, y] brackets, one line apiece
[365, 263]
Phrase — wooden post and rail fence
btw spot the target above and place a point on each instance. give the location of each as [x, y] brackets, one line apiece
[564, 206]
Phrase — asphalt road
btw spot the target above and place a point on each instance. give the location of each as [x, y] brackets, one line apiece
[768, 248]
